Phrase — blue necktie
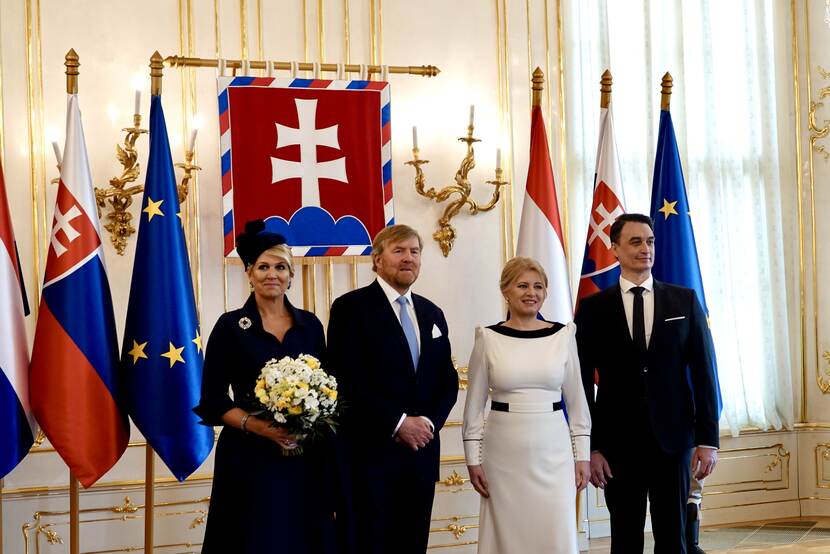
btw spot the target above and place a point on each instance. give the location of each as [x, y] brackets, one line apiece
[409, 330]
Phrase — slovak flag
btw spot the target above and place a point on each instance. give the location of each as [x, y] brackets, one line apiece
[540, 230]
[600, 268]
[17, 424]
[73, 375]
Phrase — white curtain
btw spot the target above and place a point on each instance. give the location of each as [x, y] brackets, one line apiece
[736, 149]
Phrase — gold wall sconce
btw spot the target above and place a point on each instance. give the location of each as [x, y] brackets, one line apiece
[118, 195]
[188, 166]
[461, 190]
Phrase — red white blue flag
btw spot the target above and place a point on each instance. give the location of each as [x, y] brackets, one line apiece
[311, 157]
[540, 230]
[17, 424]
[600, 268]
[73, 376]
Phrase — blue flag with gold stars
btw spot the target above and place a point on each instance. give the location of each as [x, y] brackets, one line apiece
[675, 251]
[162, 352]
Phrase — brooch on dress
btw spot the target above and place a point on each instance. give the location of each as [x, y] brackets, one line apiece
[244, 323]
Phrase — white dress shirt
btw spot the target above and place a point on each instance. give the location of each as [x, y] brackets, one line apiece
[648, 304]
[392, 295]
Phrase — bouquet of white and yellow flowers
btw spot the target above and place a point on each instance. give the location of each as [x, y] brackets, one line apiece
[298, 394]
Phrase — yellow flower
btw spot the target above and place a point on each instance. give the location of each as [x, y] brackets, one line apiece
[260, 385]
[283, 403]
[332, 394]
[295, 410]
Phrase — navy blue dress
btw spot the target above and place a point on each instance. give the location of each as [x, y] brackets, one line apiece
[263, 502]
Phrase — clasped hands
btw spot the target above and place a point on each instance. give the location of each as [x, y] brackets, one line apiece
[414, 433]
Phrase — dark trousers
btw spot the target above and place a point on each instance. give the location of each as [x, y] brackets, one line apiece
[642, 471]
[393, 512]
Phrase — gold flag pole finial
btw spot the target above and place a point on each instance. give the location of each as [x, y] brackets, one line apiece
[605, 89]
[156, 68]
[666, 91]
[538, 86]
[71, 62]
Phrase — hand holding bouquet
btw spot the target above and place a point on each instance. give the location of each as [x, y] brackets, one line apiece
[298, 395]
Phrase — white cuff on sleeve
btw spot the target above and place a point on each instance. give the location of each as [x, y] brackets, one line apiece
[398, 426]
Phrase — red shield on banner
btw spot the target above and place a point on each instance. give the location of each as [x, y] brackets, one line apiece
[312, 158]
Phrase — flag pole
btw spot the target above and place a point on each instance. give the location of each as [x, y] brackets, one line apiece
[149, 498]
[605, 90]
[71, 62]
[156, 69]
[2, 482]
[74, 516]
[537, 87]
[667, 84]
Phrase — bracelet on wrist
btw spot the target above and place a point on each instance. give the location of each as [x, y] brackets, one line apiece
[244, 425]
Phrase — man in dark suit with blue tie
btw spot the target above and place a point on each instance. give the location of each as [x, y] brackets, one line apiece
[390, 352]
[656, 397]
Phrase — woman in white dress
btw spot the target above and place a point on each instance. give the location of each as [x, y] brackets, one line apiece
[522, 461]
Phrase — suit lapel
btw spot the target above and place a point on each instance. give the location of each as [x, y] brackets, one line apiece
[659, 315]
[618, 314]
[388, 320]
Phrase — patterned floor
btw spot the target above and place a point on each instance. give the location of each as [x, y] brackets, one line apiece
[790, 536]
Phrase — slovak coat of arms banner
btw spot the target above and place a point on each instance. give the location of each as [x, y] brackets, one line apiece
[311, 157]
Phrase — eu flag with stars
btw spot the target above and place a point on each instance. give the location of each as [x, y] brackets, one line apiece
[675, 251]
[162, 351]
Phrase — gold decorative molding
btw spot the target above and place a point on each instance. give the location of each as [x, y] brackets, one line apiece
[780, 459]
[45, 523]
[819, 133]
[823, 378]
[458, 527]
[453, 483]
[822, 451]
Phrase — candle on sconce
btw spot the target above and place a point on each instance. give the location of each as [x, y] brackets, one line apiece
[57, 150]
[196, 124]
[192, 143]
[136, 81]
[414, 137]
[498, 159]
[472, 113]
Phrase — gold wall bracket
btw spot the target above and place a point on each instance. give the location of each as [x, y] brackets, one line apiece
[446, 234]
[819, 133]
[118, 194]
[188, 167]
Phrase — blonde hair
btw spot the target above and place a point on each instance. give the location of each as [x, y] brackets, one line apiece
[516, 267]
[281, 251]
[393, 233]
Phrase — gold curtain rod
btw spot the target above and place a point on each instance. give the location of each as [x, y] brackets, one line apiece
[182, 61]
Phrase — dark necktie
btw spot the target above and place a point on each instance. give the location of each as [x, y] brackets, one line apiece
[638, 323]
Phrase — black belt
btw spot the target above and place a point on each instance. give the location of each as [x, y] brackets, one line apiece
[505, 406]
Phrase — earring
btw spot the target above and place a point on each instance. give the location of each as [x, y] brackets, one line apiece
[289, 285]
[250, 286]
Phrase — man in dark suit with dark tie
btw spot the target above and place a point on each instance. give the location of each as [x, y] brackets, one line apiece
[390, 352]
[656, 397]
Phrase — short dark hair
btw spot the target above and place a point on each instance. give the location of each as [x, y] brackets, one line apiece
[617, 226]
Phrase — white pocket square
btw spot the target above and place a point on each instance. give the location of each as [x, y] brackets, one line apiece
[675, 318]
[436, 332]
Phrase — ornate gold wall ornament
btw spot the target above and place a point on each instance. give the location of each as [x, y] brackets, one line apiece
[823, 378]
[455, 526]
[189, 168]
[780, 459]
[118, 194]
[445, 235]
[822, 455]
[462, 371]
[819, 133]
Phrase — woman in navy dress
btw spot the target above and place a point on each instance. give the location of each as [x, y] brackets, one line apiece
[263, 501]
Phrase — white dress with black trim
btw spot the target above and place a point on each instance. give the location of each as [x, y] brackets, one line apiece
[528, 451]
